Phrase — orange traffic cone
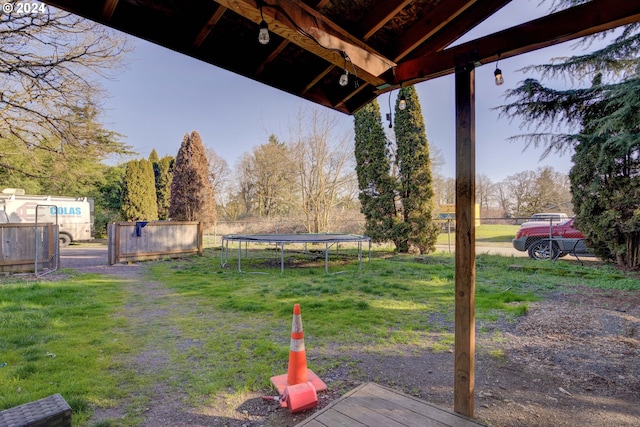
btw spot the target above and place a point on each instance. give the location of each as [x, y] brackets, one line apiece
[297, 372]
[299, 397]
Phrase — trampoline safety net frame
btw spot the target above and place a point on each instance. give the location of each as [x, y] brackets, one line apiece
[281, 240]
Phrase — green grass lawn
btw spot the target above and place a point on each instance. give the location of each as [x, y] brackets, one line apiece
[61, 337]
[485, 233]
[69, 337]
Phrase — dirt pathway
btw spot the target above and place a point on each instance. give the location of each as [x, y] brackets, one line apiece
[163, 402]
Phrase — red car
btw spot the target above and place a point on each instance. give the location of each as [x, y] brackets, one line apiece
[551, 241]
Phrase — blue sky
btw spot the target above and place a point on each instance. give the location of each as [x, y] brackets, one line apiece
[163, 95]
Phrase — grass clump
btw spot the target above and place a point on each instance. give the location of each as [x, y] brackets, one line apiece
[61, 337]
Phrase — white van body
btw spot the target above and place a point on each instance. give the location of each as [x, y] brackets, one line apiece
[74, 214]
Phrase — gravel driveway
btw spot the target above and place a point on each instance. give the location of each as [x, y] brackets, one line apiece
[83, 255]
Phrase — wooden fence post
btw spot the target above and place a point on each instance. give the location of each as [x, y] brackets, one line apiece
[200, 238]
[116, 240]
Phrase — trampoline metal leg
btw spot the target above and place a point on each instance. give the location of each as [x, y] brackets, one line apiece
[282, 258]
[326, 258]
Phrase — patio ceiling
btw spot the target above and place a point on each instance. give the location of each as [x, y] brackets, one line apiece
[383, 44]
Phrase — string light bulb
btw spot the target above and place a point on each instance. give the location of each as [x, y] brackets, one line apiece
[498, 73]
[344, 79]
[403, 102]
[263, 33]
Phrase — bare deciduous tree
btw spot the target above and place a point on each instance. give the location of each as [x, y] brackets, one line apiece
[50, 63]
[528, 192]
[324, 166]
[484, 192]
[218, 175]
[245, 184]
[445, 190]
[501, 192]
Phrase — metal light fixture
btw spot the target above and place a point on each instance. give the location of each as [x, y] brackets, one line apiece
[263, 33]
[403, 102]
[344, 78]
[498, 73]
[389, 114]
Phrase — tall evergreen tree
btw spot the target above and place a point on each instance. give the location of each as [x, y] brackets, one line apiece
[605, 178]
[153, 156]
[373, 168]
[163, 171]
[139, 194]
[414, 169]
[604, 131]
[108, 199]
[192, 197]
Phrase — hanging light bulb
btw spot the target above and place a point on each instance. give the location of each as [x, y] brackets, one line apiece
[263, 34]
[498, 74]
[344, 79]
[403, 102]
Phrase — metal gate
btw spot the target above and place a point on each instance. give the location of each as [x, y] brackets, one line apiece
[39, 238]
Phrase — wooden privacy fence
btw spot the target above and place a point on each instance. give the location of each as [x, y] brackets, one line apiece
[139, 241]
[23, 243]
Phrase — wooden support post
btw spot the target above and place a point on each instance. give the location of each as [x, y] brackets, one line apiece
[200, 238]
[116, 251]
[465, 262]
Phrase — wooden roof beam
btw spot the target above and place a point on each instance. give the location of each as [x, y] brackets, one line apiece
[430, 24]
[204, 32]
[369, 64]
[454, 29]
[272, 56]
[317, 78]
[108, 9]
[282, 45]
[379, 14]
[570, 24]
[341, 104]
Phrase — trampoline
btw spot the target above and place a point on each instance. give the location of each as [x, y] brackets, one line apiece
[283, 239]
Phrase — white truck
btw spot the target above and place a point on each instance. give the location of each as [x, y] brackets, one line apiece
[74, 215]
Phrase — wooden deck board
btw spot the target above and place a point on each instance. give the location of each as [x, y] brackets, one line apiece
[334, 419]
[393, 409]
[372, 405]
